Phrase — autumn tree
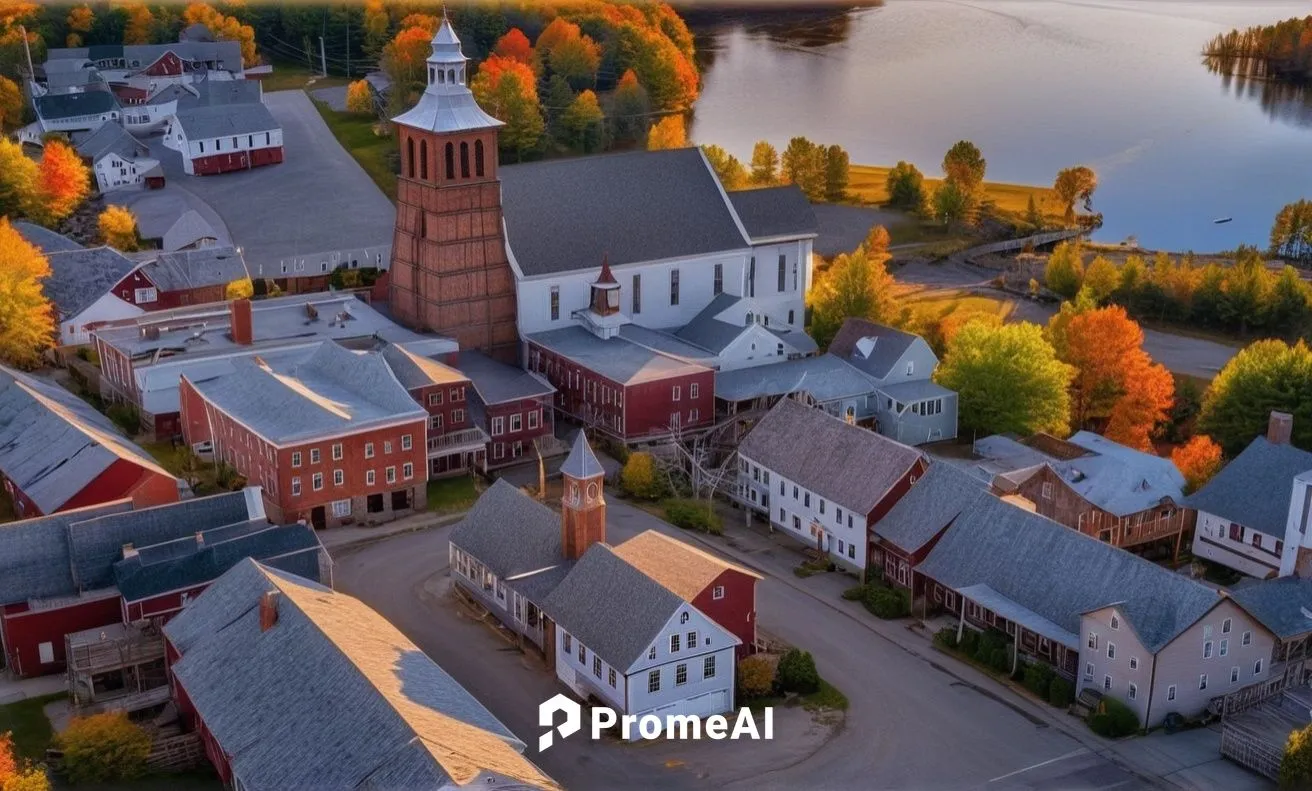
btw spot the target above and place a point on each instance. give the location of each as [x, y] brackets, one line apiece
[241, 288]
[118, 228]
[79, 21]
[953, 206]
[508, 90]
[1075, 184]
[376, 25]
[906, 187]
[1102, 278]
[514, 45]
[405, 60]
[664, 68]
[1145, 404]
[803, 164]
[104, 748]
[1032, 214]
[1197, 460]
[18, 179]
[224, 27]
[1291, 234]
[765, 164]
[26, 319]
[854, 286]
[16, 774]
[1064, 270]
[583, 122]
[1296, 761]
[429, 23]
[837, 173]
[62, 183]
[359, 98]
[139, 23]
[669, 132]
[569, 53]
[964, 166]
[730, 171]
[11, 103]
[1007, 379]
[1266, 376]
[630, 106]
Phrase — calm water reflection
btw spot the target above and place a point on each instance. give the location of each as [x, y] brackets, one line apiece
[1039, 85]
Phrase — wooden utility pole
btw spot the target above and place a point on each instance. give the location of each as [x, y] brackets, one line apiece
[323, 57]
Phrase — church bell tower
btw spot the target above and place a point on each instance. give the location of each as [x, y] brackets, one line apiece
[583, 505]
[449, 270]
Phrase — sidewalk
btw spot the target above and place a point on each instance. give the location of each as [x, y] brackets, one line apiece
[13, 690]
[338, 540]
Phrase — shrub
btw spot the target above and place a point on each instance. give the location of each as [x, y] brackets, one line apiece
[855, 593]
[1038, 678]
[104, 748]
[640, 479]
[1296, 765]
[1060, 692]
[797, 672]
[692, 515]
[946, 637]
[1000, 660]
[887, 603]
[969, 642]
[756, 676]
[125, 416]
[1113, 719]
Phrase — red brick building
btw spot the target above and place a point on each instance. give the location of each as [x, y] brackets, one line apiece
[513, 407]
[332, 437]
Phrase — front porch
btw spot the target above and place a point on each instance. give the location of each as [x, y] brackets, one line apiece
[981, 608]
[510, 601]
[116, 668]
[457, 453]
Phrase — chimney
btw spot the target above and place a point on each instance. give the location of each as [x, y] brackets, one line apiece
[241, 331]
[1280, 428]
[268, 610]
[200, 538]
[129, 551]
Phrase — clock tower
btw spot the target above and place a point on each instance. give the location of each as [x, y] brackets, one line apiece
[583, 503]
[449, 271]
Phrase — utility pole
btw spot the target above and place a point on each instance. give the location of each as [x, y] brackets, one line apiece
[348, 45]
[31, 72]
[323, 57]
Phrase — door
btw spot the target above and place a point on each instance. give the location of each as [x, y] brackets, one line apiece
[318, 518]
[719, 702]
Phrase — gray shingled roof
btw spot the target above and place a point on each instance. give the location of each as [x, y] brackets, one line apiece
[44, 239]
[53, 444]
[618, 359]
[112, 138]
[53, 107]
[510, 532]
[291, 548]
[1059, 574]
[708, 332]
[826, 378]
[911, 392]
[937, 498]
[1280, 604]
[848, 465]
[80, 277]
[581, 461]
[34, 560]
[497, 382]
[212, 93]
[567, 214]
[394, 719]
[331, 390]
[1254, 488]
[611, 607]
[205, 122]
[187, 269]
[876, 359]
[187, 230]
[414, 371]
[775, 212]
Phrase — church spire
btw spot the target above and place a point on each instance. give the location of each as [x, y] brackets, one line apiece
[447, 104]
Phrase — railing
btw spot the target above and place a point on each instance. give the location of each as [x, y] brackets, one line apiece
[1254, 694]
[448, 443]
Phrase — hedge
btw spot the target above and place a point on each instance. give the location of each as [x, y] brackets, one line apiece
[756, 676]
[692, 515]
[1113, 719]
[1061, 693]
[887, 603]
[797, 672]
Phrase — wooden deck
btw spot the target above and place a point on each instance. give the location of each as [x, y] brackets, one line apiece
[1255, 738]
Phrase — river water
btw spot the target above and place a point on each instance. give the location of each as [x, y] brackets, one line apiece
[1038, 85]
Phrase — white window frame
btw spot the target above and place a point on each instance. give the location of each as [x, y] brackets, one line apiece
[316, 482]
[408, 470]
[368, 450]
[369, 477]
[296, 458]
[407, 442]
[339, 478]
[498, 426]
[391, 475]
[337, 451]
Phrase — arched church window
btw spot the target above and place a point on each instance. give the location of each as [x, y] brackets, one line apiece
[464, 160]
[423, 160]
[478, 158]
[410, 156]
[441, 77]
[451, 76]
[450, 162]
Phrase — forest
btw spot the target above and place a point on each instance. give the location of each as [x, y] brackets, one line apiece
[1285, 48]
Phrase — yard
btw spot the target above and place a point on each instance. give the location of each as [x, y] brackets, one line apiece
[450, 495]
[181, 462]
[938, 304]
[26, 720]
[289, 76]
[867, 183]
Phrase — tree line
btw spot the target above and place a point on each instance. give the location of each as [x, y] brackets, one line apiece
[1285, 48]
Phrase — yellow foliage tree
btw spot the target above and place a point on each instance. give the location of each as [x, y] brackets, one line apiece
[118, 228]
[670, 132]
[639, 477]
[140, 28]
[18, 775]
[62, 183]
[359, 98]
[239, 289]
[80, 19]
[104, 748]
[27, 321]
[224, 27]
[11, 103]
[18, 176]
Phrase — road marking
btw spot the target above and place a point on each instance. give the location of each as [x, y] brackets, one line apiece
[1070, 754]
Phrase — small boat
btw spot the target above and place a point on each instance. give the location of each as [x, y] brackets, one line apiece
[1222, 220]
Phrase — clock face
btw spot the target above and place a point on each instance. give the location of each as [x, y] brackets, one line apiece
[592, 491]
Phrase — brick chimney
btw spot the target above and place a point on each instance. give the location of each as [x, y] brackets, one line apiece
[268, 610]
[1280, 428]
[241, 330]
[200, 538]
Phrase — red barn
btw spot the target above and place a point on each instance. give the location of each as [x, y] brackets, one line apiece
[58, 454]
[724, 592]
[185, 277]
[219, 138]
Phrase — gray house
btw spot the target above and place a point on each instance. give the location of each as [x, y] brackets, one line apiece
[909, 406]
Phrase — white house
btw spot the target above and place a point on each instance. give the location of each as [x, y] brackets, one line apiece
[82, 283]
[220, 138]
[627, 640]
[75, 112]
[117, 158]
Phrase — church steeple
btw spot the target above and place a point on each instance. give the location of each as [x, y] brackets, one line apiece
[583, 505]
[447, 105]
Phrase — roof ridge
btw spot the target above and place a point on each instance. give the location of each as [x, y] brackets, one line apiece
[685, 546]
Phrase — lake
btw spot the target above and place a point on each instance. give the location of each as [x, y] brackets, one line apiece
[1038, 85]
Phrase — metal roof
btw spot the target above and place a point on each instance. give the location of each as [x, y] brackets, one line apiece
[211, 93]
[53, 444]
[447, 106]
[1254, 488]
[826, 378]
[937, 498]
[910, 392]
[618, 359]
[187, 269]
[775, 213]
[374, 713]
[211, 121]
[112, 138]
[708, 331]
[497, 382]
[53, 107]
[845, 464]
[565, 215]
[80, 277]
[581, 462]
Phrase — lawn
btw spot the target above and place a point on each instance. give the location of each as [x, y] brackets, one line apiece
[448, 495]
[358, 135]
[958, 304]
[26, 720]
[175, 459]
[867, 183]
[288, 76]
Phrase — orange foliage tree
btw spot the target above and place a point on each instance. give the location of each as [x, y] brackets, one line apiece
[569, 53]
[226, 27]
[27, 324]
[426, 22]
[80, 19]
[140, 27]
[514, 46]
[1198, 460]
[670, 132]
[62, 183]
[508, 90]
[359, 98]
[404, 60]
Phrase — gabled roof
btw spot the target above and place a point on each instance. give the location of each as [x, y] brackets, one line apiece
[331, 695]
[1283, 604]
[44, 239]
[1255, 487]
[189, 229]
[874, 348]
[112, 138]
[564, 215]
[581, 462]
[53, 107]
[331, 390]
[188, 269]
[496, 382]
[775, 213]
[210, 121]
[53, 444]
[611, 607]
[80, 277]
[710, 332]
[510, 533]
[1059, 574]
[937, 498]
[414, 371]
[618, 359]
[826, 378]
[848, 465]
[680, 567]
[34, 555]
[211, 93]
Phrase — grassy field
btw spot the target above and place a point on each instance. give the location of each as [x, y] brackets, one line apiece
[448, 495]
[295, 76]
[373, 151]
[941, 305]
[174, 459]
[26, 719]
[867, 183]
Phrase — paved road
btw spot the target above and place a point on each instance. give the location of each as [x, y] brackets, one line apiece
[913, 723]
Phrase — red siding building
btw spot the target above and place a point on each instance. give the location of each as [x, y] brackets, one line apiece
[332, 437]
[512, 406]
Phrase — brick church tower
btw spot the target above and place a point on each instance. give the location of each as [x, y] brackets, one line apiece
[449, 271]
[583, 505]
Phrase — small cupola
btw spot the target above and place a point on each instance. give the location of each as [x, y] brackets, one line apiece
[605, 292]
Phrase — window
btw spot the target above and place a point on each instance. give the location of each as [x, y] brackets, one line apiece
[637, 294]
[296, 487]
[534, 419]
[407, 470]
[675, 643]
[391, 475]
[457, 394]
[1202, 681]
[464, 160]
[435, 422]
[1170, 692]
[596, 666]
[1111, 650]
[1234, 674]
[1207, 650]
[674, 287]
[1257, 668]
[652, 653]
[1134, 663]
[555, 303]
[708, 667]
[583, 654]
[296, 458]
[337, 451]
[692, 640]
[368, 450]
[783, 273]
[1047, 490]
[1134, 690]
[46, 653]
[719, 279]
[717, 592]
[1257, 540]
[146, 295]
[435, 399]
[498, 426]
[796, 495]
[1116, 622]
[911, 368]
[791, 316]
[1207, 632]
[450, 162]
[680, 674]
[406, 442]
[314, 455]
[797, 524]
[1088, 671]
[676, 393]
[694, 390]
[840, 546]
[516, 422]
[339, 478]
[478, 171]
[1224, 647]
[569, 646]
[806, 500]
[654, 681]
[369, 478]
[316, 482]
[851, 551]
[1093, 640]
[423, 160]
[1106, 682]
[1247, 638]
[1225, 626]
[457, 416]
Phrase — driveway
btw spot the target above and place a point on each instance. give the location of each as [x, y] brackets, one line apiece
[317, 207]
[914, 722]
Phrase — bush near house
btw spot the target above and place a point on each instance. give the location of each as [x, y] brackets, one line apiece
[756, 676]
[640, 479]
[693, 515]
[797, 672]
[1038, 678]
[104, 748]
[887, 603]
[1061, 693]
[1296, 765]
[1113, 719]
[126, 417]
[946, 638]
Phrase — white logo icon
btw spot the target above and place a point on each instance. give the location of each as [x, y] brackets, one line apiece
[547, 716]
